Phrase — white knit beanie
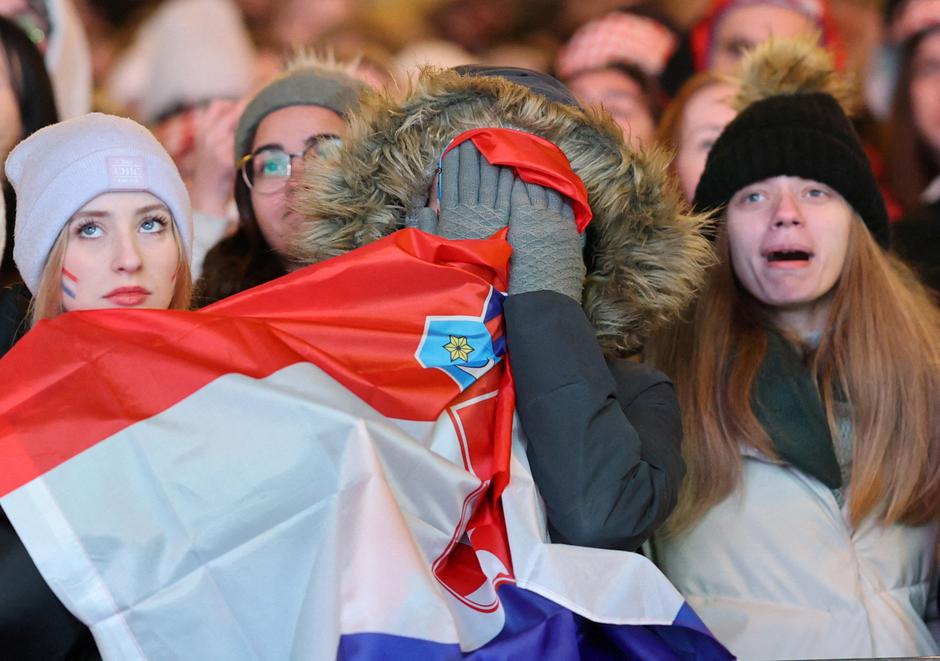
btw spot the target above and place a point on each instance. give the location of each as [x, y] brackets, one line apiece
[62, 167]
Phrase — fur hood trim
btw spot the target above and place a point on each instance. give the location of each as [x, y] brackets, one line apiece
[650, 253]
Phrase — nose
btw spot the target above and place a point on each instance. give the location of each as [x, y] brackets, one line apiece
[787, 212]
[126, 256]
[296, 166]
[293, 181]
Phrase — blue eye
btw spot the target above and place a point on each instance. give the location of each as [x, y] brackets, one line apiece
[272, 167]
[153, 225]
[89, 230]
[750, 197]
[272, 163]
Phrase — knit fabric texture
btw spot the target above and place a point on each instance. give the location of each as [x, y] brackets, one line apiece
[302, 87]
[62, 167]
[798, 135]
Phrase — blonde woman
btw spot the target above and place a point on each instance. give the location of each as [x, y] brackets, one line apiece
[102, 221]
[808, 378]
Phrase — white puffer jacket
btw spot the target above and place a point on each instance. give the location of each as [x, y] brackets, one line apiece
[776, 572]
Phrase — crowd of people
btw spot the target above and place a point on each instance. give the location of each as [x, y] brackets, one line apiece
[744, 380]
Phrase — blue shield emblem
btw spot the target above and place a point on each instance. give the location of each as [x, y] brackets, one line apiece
[462, 346]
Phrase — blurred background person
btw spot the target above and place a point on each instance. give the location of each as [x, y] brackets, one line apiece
[299, 23]
[27, 103]
[693, 121]
[184, 82]
[615, 62]
[174, 63]
[914, 145]
[860, 25]
[731, 27]
[56, 28]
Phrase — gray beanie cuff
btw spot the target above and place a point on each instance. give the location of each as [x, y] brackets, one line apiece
[305, 87]
[108, 154]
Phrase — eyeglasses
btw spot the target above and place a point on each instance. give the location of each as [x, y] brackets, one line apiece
[267, 169]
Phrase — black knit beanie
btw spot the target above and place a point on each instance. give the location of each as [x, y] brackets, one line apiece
[799, 135]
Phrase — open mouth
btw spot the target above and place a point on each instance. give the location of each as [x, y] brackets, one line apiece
[789, 256]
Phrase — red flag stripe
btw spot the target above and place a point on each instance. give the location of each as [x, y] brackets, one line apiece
[80, 378]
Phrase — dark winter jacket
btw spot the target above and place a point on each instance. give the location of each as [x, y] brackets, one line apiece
[33, 622]
[603, 435]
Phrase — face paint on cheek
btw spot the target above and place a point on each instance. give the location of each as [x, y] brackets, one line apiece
[68, 283]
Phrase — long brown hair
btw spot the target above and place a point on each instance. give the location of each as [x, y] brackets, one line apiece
[880, 351]
[47, 302]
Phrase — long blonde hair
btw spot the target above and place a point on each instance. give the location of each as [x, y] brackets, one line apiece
[47, 301]
[880, 351]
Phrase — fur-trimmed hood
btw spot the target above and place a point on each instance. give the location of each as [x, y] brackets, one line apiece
[650, 254]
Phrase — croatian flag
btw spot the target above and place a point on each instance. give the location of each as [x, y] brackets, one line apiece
[326, 466]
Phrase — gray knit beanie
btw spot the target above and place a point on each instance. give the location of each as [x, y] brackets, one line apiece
[307, 82]
[62, 167]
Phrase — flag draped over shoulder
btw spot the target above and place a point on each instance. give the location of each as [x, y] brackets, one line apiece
[322, 467]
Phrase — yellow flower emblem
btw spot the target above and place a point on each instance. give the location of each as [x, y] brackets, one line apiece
[459, 348]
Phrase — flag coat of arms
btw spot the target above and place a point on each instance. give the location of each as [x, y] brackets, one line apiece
[326, 466]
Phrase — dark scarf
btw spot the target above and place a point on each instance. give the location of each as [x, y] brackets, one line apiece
[787, 404]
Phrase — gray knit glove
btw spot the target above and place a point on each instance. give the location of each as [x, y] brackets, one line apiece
[545, 243]
[474, 197]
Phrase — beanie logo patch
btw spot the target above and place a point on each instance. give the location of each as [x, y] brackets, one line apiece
[127, 172]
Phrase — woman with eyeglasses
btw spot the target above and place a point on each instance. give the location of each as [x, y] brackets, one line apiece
[300, 113]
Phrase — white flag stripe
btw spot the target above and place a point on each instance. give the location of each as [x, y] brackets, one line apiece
[264, 519]
[324, 458]
[83, 588]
